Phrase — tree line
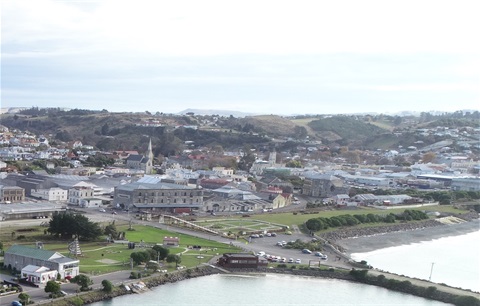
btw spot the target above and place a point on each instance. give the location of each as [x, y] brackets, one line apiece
[322, 223]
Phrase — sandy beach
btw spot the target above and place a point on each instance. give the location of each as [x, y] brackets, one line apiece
[380, 241]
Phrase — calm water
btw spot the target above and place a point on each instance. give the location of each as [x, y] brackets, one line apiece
[456, 260]
[278, 290]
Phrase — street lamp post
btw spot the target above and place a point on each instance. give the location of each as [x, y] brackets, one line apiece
[431, 271]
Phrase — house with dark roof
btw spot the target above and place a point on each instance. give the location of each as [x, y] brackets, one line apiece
[20, 256]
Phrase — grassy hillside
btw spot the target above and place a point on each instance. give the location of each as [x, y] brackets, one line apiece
[346, 127]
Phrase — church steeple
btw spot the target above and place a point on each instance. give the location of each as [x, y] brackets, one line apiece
[149, 164]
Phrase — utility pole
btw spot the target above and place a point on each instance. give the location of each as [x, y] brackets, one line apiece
[431, 271]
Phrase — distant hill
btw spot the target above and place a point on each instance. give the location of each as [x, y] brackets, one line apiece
[210, 112]
[346, 128]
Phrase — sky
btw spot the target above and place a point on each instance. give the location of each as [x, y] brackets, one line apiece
[265, 57]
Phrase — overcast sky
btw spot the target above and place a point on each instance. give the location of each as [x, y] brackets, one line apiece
[280, 57]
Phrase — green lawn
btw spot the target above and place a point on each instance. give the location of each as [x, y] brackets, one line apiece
[101, 257]
[237, 224]
[290, 219]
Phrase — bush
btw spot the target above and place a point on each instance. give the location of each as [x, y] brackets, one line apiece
[134, 275]
[107, 286]
[77, 301]
[466, 301]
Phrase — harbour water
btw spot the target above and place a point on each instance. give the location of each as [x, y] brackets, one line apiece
[453, 260]
[266, 290]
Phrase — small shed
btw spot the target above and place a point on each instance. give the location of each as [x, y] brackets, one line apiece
[242, 261]
[171, 241]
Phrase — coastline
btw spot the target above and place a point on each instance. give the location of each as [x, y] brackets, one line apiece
[368, 243]
[402, 235]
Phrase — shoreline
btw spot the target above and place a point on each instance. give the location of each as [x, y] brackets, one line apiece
[382, 240]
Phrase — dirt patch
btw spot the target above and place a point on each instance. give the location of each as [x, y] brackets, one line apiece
[108, 261]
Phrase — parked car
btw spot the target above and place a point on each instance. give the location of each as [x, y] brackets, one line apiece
[322, 256]
[298, 261]
[290, 260]
[306, 251]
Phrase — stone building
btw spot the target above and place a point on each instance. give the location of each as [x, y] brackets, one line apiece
[323, 186]
[157, 197]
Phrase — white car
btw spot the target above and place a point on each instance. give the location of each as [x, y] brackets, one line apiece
[298, 261]
[290, 260]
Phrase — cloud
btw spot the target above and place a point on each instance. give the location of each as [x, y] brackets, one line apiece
[203, 28]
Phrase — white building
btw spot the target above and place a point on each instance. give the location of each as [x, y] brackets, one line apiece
[52, 194]
[20, 256]
[77, 194]
[466, 184]
[38, 275]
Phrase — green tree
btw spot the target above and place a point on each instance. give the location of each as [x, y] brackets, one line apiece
[139, 257]
[294, 164]
[247, 160]
[314, 224]
[67, 225]
[111, 230]
[161, 251]
[174, 258]
[83, 281]
[24, 298]
[107, 285]
[52, 287]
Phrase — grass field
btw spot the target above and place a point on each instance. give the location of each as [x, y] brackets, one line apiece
[236, 225]
[101, 257]
[290, 219]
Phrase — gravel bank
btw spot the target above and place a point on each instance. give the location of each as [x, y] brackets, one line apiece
[370, 239]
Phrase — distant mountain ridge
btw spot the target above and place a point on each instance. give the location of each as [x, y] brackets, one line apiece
[219, 112]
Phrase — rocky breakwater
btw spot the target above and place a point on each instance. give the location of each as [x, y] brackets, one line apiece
[179, 276]
[150, 282]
